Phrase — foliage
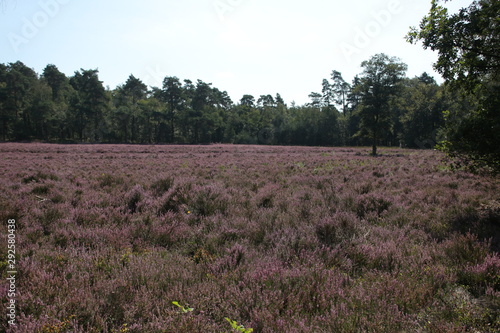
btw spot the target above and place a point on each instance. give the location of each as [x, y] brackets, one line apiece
[234, 324]
[419, 108]
[184, 309]
[468, 46]
[238, 328]
[90, 105]
[379, 83]
[467, 42]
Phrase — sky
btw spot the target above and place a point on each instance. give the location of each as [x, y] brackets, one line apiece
[255, 47]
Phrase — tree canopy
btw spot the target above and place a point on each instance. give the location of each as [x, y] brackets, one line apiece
[381, 106]
[468, 46]
[379, 83]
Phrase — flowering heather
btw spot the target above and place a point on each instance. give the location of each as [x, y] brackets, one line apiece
[278, 239]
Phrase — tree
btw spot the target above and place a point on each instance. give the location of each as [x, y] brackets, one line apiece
[56, 80]
[248, 100]
[127, 114]
[354, 96]
[467, 43]
[426, 79]
[5, 115]
[279, 100]
[305, 125]
[58, 120]
[379, 83]
[315, 99]
[327, 99]
[39, 111]
[468, 46]
[89, 104]
[172, 94]
[205, 121]
[135, 89]
[19, 82]
[281, 121]
[340, 90]
[420, 105]
[328, 127]
[266, 101]
[150, 109]
[243, 121]
[351, 120]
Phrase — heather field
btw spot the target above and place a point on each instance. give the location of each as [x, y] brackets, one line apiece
[277, 239]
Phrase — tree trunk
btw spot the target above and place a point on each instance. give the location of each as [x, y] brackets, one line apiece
[172, 128]
[5, 129]
[375, 136]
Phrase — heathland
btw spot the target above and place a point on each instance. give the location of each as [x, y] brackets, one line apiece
[277, 239]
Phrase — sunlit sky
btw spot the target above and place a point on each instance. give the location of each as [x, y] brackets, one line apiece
[252, 47]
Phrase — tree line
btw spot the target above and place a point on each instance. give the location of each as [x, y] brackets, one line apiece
[380, 106]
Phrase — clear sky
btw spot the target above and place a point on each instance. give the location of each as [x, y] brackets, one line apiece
[242, 46]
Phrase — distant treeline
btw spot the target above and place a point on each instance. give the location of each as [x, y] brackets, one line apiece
[380, 106]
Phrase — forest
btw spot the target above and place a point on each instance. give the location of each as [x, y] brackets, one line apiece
[55, 108]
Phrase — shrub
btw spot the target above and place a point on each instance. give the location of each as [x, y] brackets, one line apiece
[175, 200]
[482, 276]
[41, 190]
[342, 243]
[39, 176]
[134, 198]
[340, 227]
[161, 186]
[465, 250]
[367, 204]
[108, 180]
[209, 200]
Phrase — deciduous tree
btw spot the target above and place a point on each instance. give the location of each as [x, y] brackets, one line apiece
[379, 83]
[468, 46]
